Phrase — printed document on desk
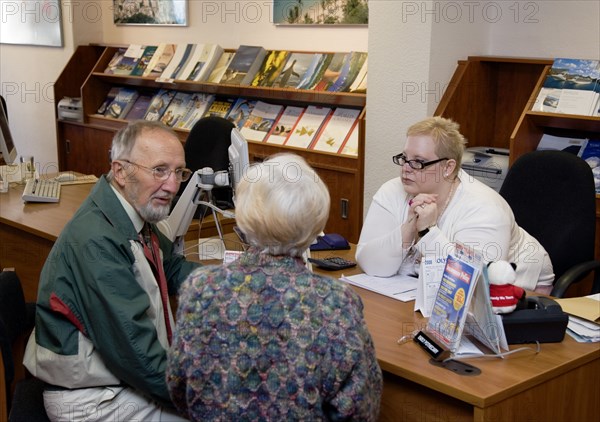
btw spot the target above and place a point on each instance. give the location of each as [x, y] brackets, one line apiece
[584, 317]
[430, 278]
[399, 287]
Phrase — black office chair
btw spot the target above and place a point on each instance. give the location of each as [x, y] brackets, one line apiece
[17, 319]
[553, 198]
[207, 146]
[3, 105]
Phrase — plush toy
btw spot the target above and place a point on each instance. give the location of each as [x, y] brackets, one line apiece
[504, 294]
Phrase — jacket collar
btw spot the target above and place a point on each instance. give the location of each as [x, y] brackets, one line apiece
[104, 196]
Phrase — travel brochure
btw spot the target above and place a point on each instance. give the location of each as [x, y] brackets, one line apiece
[572, 86]
[462, 305]
[247, 65]
[454, 294]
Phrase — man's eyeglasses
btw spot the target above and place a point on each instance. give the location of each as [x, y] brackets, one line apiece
[162, 173]
[400, 160]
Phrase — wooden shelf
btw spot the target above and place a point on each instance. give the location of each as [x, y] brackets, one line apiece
[274, 94]
[85, 146]
[532, 125]
[487, 95]
[492, 99]
[570, 122]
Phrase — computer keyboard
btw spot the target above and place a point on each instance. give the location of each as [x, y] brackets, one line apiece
[333, 263]
[38, 190]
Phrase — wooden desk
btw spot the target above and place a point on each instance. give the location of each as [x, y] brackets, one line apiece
[28, 230]
[561, 383]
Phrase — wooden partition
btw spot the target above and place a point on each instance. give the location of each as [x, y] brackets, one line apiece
[492, 99]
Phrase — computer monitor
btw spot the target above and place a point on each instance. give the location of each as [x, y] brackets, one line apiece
[238, 158]
[203, 180]
[7, 146]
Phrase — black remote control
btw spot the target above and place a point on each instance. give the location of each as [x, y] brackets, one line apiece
[333, 263]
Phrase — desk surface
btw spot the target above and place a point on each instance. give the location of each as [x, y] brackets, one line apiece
[45, 220]
[524, 382]
[390, 319]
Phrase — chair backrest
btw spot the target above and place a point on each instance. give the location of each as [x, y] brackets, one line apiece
[13, 318]
[3, 105]
[13, 322]
[553, 198]
[22, 397]
[207, 146]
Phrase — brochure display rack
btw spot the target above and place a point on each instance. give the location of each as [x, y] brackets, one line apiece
[462, 305]
[84, 146]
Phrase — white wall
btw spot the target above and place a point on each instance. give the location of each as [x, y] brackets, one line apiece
[416, 44]
[234, 22]
[566, 28]
[413, 49]
[27, 75]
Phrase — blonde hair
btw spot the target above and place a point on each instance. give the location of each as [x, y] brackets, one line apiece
[281, 205]
[450, 143]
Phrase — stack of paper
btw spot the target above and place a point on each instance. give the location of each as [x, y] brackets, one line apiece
[584, 317]
[399, 287]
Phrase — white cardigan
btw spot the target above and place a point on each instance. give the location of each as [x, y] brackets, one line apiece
[476, 216]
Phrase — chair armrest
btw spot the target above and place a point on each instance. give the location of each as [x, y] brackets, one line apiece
[575, 274]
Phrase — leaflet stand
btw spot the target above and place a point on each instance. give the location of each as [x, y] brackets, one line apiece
[461, 303]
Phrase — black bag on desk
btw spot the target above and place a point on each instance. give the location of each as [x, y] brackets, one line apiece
[543, 321]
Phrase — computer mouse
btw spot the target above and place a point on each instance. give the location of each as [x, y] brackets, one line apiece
[65, 177]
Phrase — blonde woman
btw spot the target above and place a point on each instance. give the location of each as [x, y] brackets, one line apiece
[434, 203]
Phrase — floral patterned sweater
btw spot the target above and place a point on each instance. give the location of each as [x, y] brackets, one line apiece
[263, 338]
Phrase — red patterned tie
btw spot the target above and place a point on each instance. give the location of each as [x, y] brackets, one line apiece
[152, 253]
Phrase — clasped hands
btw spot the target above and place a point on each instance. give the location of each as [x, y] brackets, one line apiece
[422, 215]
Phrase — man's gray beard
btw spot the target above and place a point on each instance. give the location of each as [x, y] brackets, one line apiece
[154, 214]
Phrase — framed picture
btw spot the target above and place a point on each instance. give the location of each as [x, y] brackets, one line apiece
[35, 22]
[320, 12]
[150, 12]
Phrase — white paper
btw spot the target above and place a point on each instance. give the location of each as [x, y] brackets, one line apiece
[467, 347]
[587, 330]
[135, 51]
[430, 276]
[399, 287]
[561, 143]
[583, 330]
[210, 248]
[575, 101]
[230, 256]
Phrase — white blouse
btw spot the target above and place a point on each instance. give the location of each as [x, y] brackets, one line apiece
[476, 216]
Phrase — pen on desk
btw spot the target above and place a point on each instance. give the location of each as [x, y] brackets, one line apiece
[403, 291]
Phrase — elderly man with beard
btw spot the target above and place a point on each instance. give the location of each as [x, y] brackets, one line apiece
[104, 322]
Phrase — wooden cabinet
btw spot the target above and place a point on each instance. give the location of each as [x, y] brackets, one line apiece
[492, 98]
[83, 146]
[533, 124]
[487, 96]
[86, 149]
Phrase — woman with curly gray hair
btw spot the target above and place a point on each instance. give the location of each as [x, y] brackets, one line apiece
[263, 338]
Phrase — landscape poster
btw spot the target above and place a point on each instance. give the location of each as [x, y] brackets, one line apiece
[320, 12]
[150, 12]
